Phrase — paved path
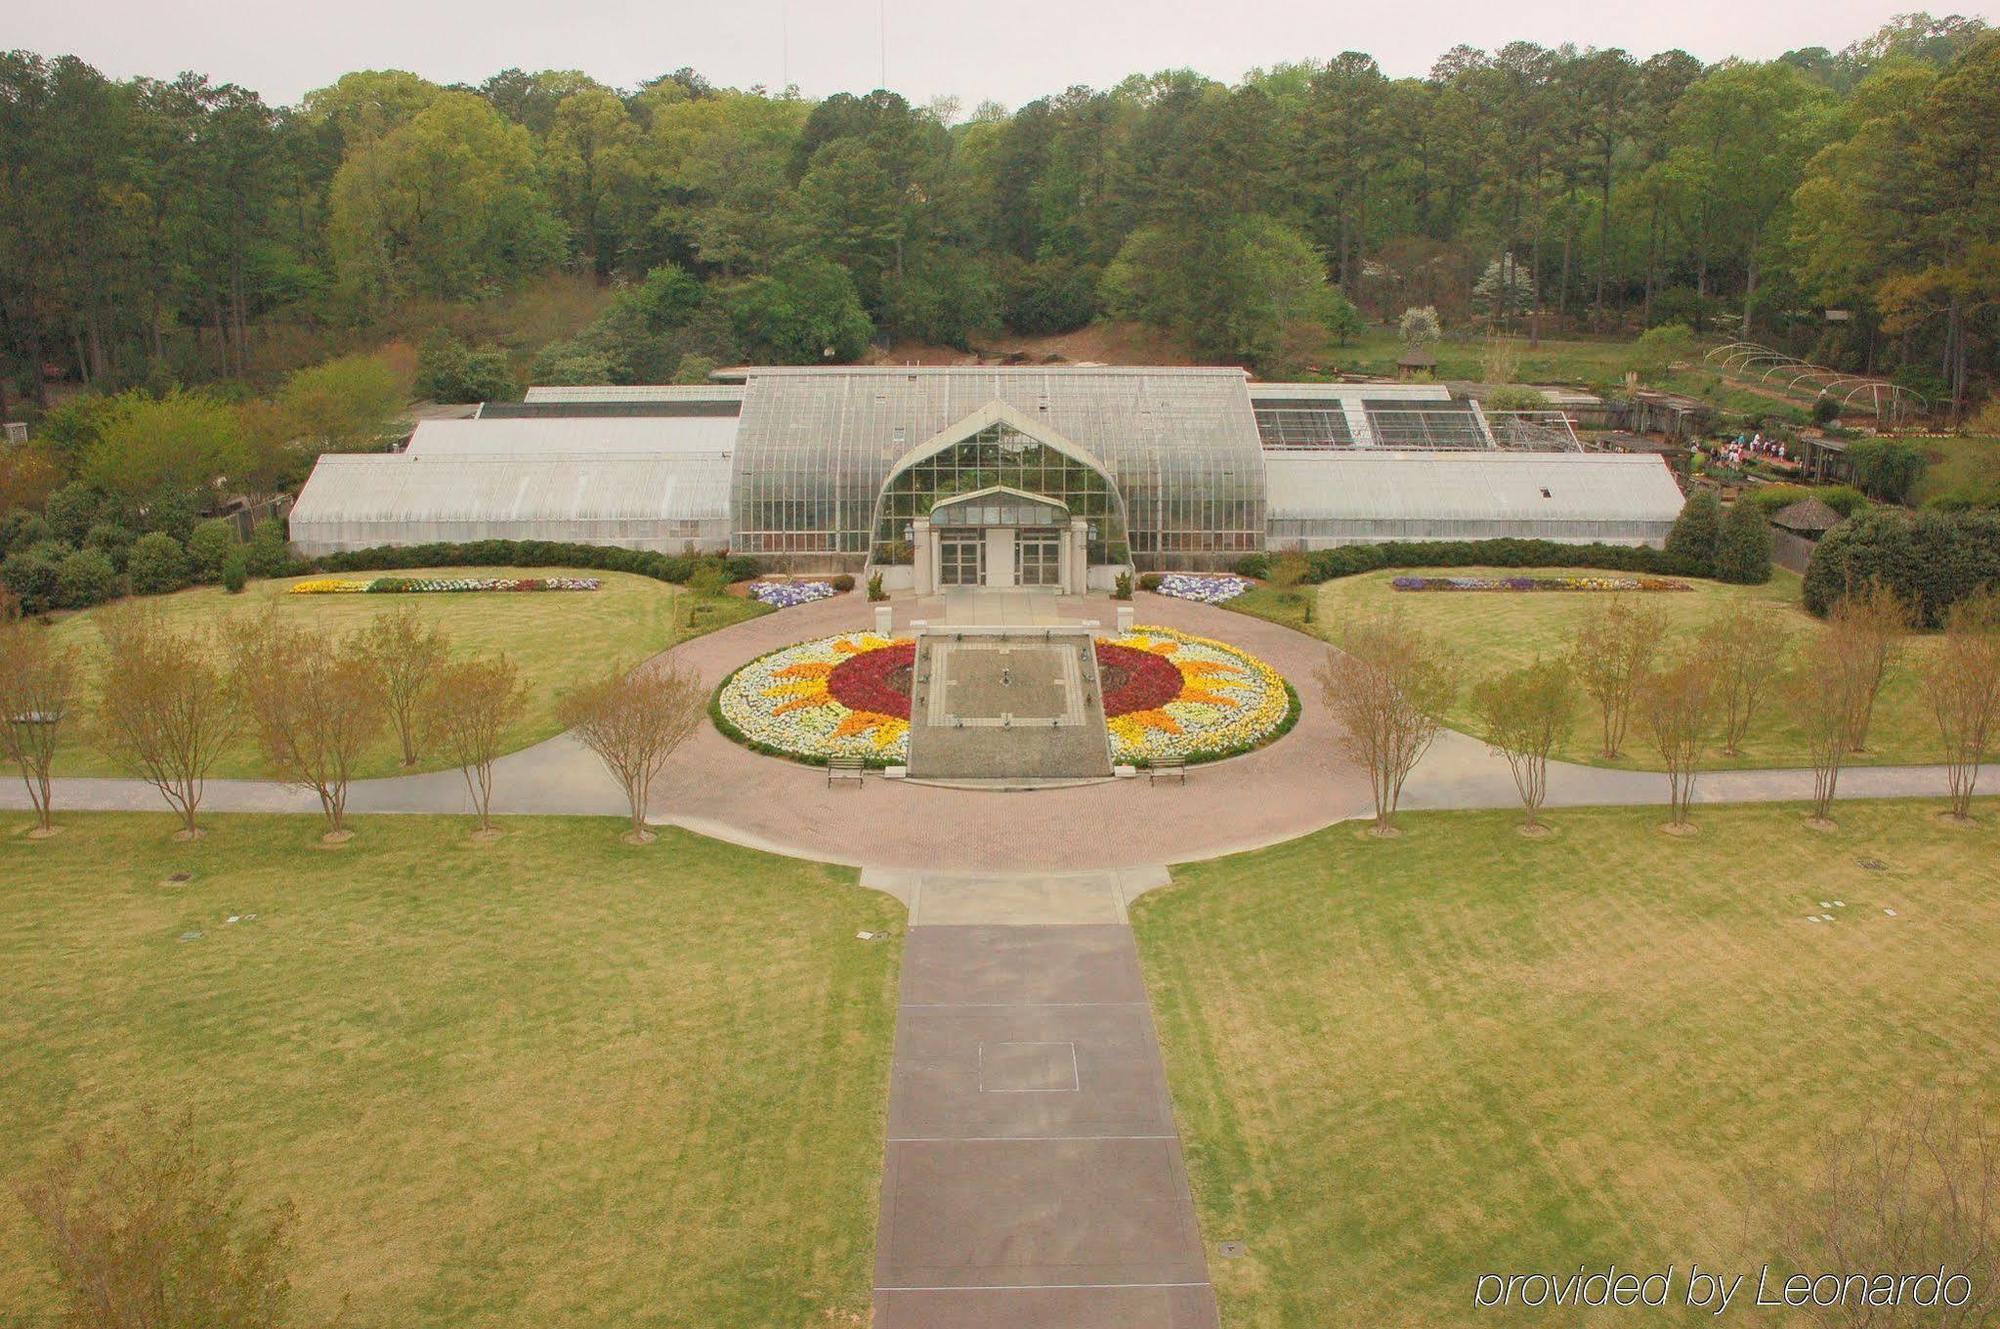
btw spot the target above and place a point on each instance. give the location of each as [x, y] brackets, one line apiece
[1297, 785]
[1032, 1178]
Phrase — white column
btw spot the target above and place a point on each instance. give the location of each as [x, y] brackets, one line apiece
[923, 556]
[1076, 557]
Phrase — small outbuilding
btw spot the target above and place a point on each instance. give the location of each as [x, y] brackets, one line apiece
[1808, 518]
[1417, 362]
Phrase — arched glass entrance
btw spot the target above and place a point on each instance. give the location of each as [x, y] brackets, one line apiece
[1000, 536]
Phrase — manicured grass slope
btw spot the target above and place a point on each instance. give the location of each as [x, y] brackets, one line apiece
[556, 1080]
[1494, 631]
[1400, 1064]
[552, 636]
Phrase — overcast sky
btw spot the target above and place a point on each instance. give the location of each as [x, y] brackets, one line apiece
[1011, 52]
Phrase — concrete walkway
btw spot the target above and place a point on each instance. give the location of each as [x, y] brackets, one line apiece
[1291, 788]
[1033, 1177]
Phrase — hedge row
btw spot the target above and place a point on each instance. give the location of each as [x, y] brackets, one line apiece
[1932, 559]
[678, 568]
[1349, 560]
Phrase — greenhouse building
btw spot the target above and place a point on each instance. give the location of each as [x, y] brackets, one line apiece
[1053, 477]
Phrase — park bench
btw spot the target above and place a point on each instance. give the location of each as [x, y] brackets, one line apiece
[1174, 767]
[844, 768]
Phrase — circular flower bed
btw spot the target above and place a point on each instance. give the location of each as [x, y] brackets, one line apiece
[1166, 693]
[1169, 694]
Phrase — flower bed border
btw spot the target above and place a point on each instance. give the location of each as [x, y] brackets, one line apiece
[1534, 585]
[440, 585]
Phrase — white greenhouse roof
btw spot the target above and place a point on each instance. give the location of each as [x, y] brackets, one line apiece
[642, 392]
[353, 501]
[1524, 487]
[655, 435]
[1420, 392]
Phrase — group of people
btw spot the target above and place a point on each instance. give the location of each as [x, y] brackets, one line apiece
[1732, 454]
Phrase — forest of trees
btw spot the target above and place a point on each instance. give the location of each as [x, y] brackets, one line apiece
[152, 232]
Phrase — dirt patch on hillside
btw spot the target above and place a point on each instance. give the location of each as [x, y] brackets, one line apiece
[1100, 343]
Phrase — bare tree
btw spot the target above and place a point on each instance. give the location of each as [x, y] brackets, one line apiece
[1389, 684]
[144, 1230]
[634, 721]
[317, 705]
[1676, 704]
[37, 688]
[1744, 647]
[166, 706]
[1869, 625]
[1915, 1191]
[1961, 684]
[407, 652]
[467, 712]
[1614, 648]
[1817, 693]
[1526, 714]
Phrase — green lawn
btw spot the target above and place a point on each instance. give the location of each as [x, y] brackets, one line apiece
[552, 636]
[1965, 469]
[1398, 1064]
[556, 1080]
[1498, 630]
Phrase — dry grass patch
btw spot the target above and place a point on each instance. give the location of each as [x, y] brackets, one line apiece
[1401, 1064]
[553, 1080]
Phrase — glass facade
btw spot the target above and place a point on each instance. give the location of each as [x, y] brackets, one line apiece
[831, 464]
[1000, 456]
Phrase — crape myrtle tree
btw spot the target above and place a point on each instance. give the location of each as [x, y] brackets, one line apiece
[1867, 628]
[1525, 715]
[1744, 647]
[38, 685]
[468, 706]
[407, 652]
[1388, 683]
[634, 720]
[166, 705]
[317, 704]
[1611, 653]
[1960, 682]
[143, 1227]
[1676, 705]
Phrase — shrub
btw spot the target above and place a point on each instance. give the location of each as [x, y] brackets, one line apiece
[267, 555]
[1512, 398]
[114, 542]
[448, 371]
[235, 570]
[1151, 581]
[1886, 468]
[208, 549]
[1743, 553]
[72, 510]
[23, 529]
[1122, 588]
[32, 575]
[1844, 499]
[1825, 410]
[157, 564]
[875, 588]
[85, 578]
[843, 582]
[1931, 559]
[1259, 567]
[1691, 544]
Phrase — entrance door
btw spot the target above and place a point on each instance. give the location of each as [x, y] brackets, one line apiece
[962, 559]
[1039, 557]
